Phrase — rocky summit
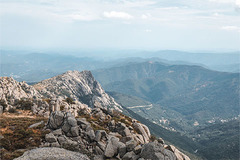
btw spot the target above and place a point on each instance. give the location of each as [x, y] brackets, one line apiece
[78, 85]
[82, 122]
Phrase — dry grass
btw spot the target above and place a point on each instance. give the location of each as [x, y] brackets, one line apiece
[17, 137]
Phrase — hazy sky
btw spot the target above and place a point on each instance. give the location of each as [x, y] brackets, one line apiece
[120, 24]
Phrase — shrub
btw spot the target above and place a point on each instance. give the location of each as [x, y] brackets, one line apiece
[17, 135]
[24, 104]
[12, 110]
[153, 138]
[62, 107]
[47, 100]
[69, 100]
[3, 103]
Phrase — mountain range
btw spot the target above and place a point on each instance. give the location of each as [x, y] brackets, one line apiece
[81, 117]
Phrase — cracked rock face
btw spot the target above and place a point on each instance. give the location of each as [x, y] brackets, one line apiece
[78, 85]
[11, 89]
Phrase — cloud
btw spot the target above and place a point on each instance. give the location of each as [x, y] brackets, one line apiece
[120, 15]
[82, 17]
[223, 1]
[148, 30]
[146, 16]
[231, 28]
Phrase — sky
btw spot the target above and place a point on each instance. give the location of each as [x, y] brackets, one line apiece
[191, 25]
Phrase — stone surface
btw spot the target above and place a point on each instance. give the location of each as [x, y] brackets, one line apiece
[50, 138]
[156, 151]
[112, 147]
[137, 149]
[79, 85]
[179, 155]
[1, 109]
[131, 145]
[141, 129]
[57, 132]
[52, 154]
[122, 149]
[130, 156]
[36, 124]
[55, 120]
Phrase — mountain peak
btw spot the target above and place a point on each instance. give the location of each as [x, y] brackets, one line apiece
[78, 85]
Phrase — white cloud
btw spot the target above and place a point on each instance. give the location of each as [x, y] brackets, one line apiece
[146, 16]
[120, 15]
[82, 17]
[237, 3]
[231, 28]
[223, 1]
[148, 30]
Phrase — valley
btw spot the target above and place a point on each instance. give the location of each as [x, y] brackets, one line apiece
[185, 104]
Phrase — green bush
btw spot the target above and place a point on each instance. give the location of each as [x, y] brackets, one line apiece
[24, 104]
[12, 110]
[3, 103]
[69, 100]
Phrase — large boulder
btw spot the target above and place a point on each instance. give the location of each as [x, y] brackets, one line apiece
[52, 154]
[50, 138]
[179, 155]
[143, 130]
[56, 120]
[112, 147]
[156, 151]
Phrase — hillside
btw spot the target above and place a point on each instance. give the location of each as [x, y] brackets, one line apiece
[191, 93]
[82, 118]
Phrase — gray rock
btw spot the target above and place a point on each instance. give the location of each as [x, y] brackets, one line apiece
[50, 138]
[131, 145]
[112, 147]
[126, 139]
[178, 154]
[1, 109]
[122, 149]
[91, 135]
[75, 131]
[100, 134]
[57, 132]
[130, 156]
[82, 122]
[137, 149]
[56, 120]
[98, 157]
[46, 114]
[141, 129]
[36, 124]
[34, 108]
[66, 127]
[101, 145]
[72, 121]
[52, 154]
[122, 129]
[156, 151]
[55, 144]
[62, 139]
[160, 140]
[98, 151]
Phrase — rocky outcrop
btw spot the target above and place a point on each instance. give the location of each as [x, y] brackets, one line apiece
[12, 91]
[52, 153]
[100, 129]
[80, 86]
[9, 88]
[70, 91]
[115, 139]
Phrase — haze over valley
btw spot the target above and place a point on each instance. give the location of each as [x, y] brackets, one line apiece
[120, 79]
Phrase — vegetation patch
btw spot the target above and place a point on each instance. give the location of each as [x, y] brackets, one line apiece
[16, 137]
[24, 104]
